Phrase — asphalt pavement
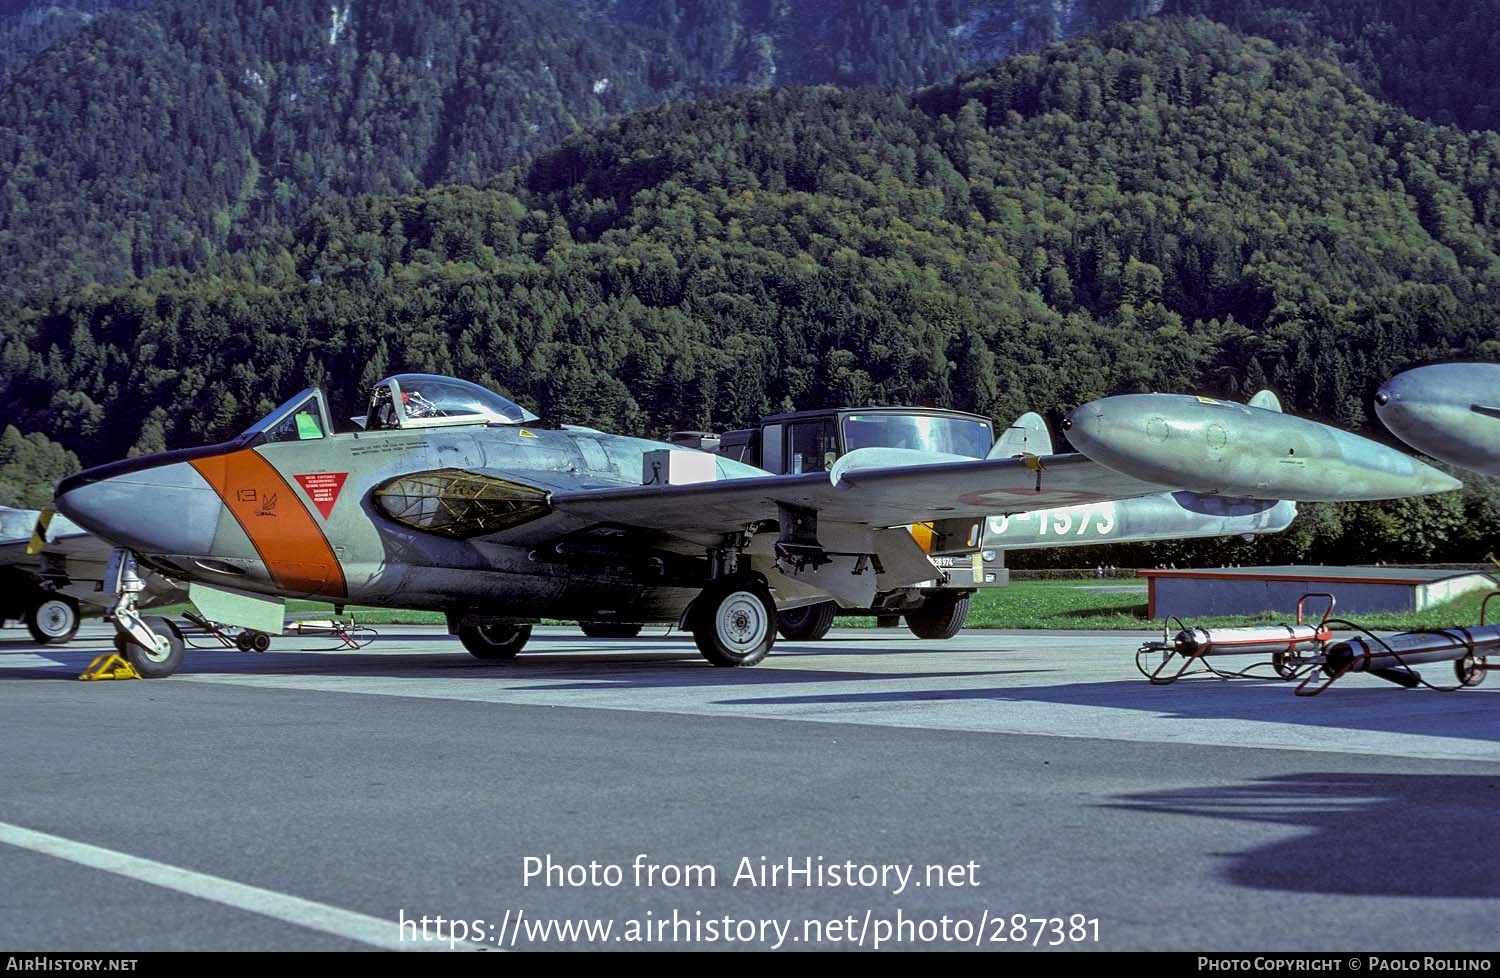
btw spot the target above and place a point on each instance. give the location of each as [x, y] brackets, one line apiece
[859, 790]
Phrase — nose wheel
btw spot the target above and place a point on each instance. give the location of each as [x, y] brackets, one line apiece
[162, 657]
[734, 621]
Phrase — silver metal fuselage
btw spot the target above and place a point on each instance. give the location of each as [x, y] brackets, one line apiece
[261, 529]
[1451, 411]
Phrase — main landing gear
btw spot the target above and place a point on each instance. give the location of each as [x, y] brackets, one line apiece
[734, 620]
[52, 618]
[495, 641]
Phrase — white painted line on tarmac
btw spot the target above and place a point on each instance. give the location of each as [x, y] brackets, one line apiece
[381, 933]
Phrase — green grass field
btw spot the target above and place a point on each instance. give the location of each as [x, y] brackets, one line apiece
[1077, 605]
[1039, 604]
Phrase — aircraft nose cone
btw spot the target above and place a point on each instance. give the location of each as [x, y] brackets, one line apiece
[153, 509]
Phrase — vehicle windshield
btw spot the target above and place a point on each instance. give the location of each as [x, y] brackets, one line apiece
[923, 432]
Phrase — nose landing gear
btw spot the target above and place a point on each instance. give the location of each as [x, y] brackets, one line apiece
[153, 645]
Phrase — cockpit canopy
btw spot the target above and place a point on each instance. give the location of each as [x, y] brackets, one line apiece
[428, 401]
[401, 401]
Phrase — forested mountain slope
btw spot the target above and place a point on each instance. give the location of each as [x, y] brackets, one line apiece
[28, 27]
[193, 126]
[1166, 205]
[159, 137]
[1437, 59]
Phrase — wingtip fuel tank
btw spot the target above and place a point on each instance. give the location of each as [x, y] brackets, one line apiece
[1450, 411]
[1213, 446]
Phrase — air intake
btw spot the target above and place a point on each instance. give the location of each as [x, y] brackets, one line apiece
[458, 504]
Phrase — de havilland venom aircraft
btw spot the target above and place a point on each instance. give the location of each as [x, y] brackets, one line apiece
[1450, 411]
[453, 498]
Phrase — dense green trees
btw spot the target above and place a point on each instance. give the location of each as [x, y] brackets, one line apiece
[28, 27]
[30, 465]
[165, 132]
[158, 137]
[1436, 59]
[1165, 206]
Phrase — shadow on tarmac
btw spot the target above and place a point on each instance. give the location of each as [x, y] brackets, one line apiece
[575, 662]
[1467, 715]
[1406, 835]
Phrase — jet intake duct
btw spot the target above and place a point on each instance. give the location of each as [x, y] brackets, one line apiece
[458, 504]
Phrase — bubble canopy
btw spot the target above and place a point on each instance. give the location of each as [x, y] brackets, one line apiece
[430, 400]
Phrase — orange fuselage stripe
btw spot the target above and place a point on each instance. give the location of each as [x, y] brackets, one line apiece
[290, 542]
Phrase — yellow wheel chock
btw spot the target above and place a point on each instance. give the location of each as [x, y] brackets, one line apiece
[111, 665]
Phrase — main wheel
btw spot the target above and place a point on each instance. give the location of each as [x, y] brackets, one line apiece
[494, 642]
[734, 622]
[53, 619]
[939, 617]
[163, 658]
[808, 623]
[610, 629]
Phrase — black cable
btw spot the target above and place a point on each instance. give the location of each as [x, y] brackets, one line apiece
[1463, 640]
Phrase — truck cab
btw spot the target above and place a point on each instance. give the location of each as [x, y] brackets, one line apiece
[799, 442]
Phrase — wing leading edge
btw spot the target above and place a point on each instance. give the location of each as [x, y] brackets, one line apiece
[857, 492]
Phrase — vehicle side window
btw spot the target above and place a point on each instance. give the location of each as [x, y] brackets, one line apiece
[813, 446]
[733, 446]
[770, 448]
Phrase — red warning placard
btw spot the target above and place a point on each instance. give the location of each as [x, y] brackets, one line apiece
[323, 488]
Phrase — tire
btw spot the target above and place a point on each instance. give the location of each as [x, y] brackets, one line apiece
[939, 617]
[808, 623]
[260, 642]
[734, 622]
[494, 642]
[1286, 664]
[1470, 670]
[162, 661]
[610, 629]
[53, 620]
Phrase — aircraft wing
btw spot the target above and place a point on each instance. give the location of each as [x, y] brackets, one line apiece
[854, 492]
[18, 546]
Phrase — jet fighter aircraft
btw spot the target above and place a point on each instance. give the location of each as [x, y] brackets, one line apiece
[1450, 411]
[453, 498]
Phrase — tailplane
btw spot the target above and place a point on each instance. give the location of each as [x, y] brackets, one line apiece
[1027, 436]
[1266, 401]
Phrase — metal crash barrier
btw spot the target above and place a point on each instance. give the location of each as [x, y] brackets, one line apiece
[1308, 651]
